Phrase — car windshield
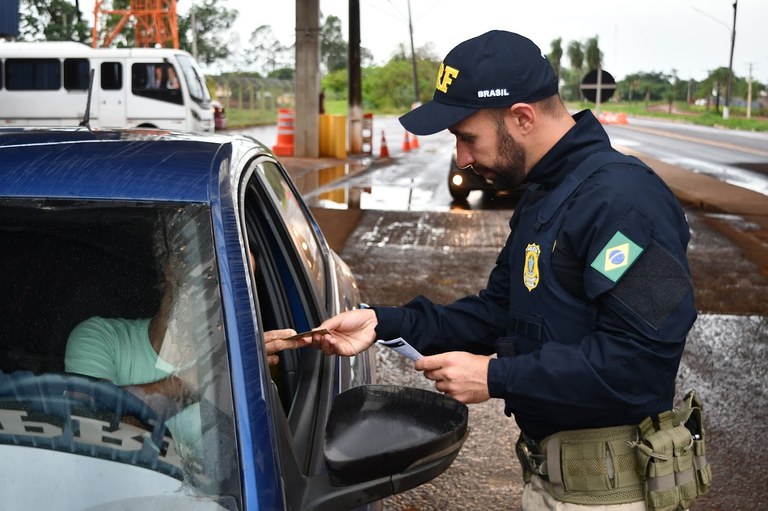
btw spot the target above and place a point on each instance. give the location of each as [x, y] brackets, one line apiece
[113, 361]
[195, 80]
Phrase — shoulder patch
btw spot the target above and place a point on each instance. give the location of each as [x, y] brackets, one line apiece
[617, 256]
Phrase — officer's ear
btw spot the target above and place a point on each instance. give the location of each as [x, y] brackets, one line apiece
[522, 116]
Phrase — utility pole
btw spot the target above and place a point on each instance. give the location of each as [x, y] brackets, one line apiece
[307, 120]
[749, 93]
[413, 58]
[599, 88]
[193, 22]
[726, 109]
[355, 87]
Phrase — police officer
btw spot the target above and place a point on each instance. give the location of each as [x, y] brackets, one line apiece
[590, 300]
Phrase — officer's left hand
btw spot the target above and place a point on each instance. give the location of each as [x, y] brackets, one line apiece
[461, 375]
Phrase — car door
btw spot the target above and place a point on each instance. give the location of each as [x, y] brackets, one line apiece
[289, 287]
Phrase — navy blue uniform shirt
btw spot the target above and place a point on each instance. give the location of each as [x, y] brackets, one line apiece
[595, 341]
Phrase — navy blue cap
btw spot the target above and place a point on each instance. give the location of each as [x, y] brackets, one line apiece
[496, 69]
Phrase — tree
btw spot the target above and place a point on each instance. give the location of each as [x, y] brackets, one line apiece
[649, 86]
[51, 20]
[127, 36]
[390, 87]
[267, 54]
[576, 57]
[335, 84]
[333, 47]
[556, 55]
[283, 73]
[213, 23]
[60, 20]
[593, 55]
[671, 94]
[716, 83]
[739, 87]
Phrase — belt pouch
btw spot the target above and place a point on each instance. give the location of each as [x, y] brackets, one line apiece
[670, 457]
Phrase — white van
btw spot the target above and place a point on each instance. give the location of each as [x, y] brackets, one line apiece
[46, 84]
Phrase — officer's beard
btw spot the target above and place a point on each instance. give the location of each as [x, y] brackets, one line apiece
[508, 170]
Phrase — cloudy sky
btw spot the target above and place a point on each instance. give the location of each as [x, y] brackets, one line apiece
[691, 37]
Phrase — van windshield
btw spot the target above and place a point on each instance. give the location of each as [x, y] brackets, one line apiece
[195, 80]
[113, 360]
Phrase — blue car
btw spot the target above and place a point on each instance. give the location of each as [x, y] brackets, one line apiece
[141, 270]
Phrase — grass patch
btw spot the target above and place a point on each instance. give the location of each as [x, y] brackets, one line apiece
[682, 112]
[240, 118]
[336, 106]
[246, 117]
[341, 107]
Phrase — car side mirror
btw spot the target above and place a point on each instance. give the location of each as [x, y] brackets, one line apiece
[385, 439]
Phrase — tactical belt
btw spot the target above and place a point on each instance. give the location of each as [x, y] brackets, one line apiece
[660, 461]
[585, 466]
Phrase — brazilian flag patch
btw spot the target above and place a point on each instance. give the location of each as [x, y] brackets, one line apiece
[617, 256]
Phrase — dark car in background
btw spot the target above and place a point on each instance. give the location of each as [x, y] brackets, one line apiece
[85, 217]
[462, 181]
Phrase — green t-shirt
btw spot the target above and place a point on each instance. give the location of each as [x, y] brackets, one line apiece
[115, 349]
[119, 350]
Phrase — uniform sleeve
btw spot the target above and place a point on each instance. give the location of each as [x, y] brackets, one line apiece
[90, 350]
[470, 324]
[631, 238]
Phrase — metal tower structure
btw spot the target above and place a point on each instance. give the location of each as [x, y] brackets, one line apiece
[154, 22]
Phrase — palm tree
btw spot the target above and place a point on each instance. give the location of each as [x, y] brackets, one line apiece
[556, 55]
[593, 54]
[576, 56]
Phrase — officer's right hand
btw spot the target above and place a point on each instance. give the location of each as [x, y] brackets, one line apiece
[349, 333]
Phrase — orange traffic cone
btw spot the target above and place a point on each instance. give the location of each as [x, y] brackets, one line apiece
[384, 150]
[414, 142]
[284, 145]
[406, 143]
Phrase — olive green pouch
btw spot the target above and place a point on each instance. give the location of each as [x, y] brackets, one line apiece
[671, 457]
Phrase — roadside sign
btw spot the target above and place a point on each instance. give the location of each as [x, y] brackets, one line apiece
[592, 82]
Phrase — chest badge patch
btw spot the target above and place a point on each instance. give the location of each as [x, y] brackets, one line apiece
[531, 268]
[617, 256]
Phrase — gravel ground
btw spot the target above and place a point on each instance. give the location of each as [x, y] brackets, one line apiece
[398, 255]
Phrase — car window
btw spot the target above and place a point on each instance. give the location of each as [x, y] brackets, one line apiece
[156, 80]
[32, 74]
[194, 78]
[298, 226]
[287, 297]
[111, 75]
[114, 348]
[273, 289]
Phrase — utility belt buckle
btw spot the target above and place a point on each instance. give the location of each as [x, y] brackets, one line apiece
[531, 458]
